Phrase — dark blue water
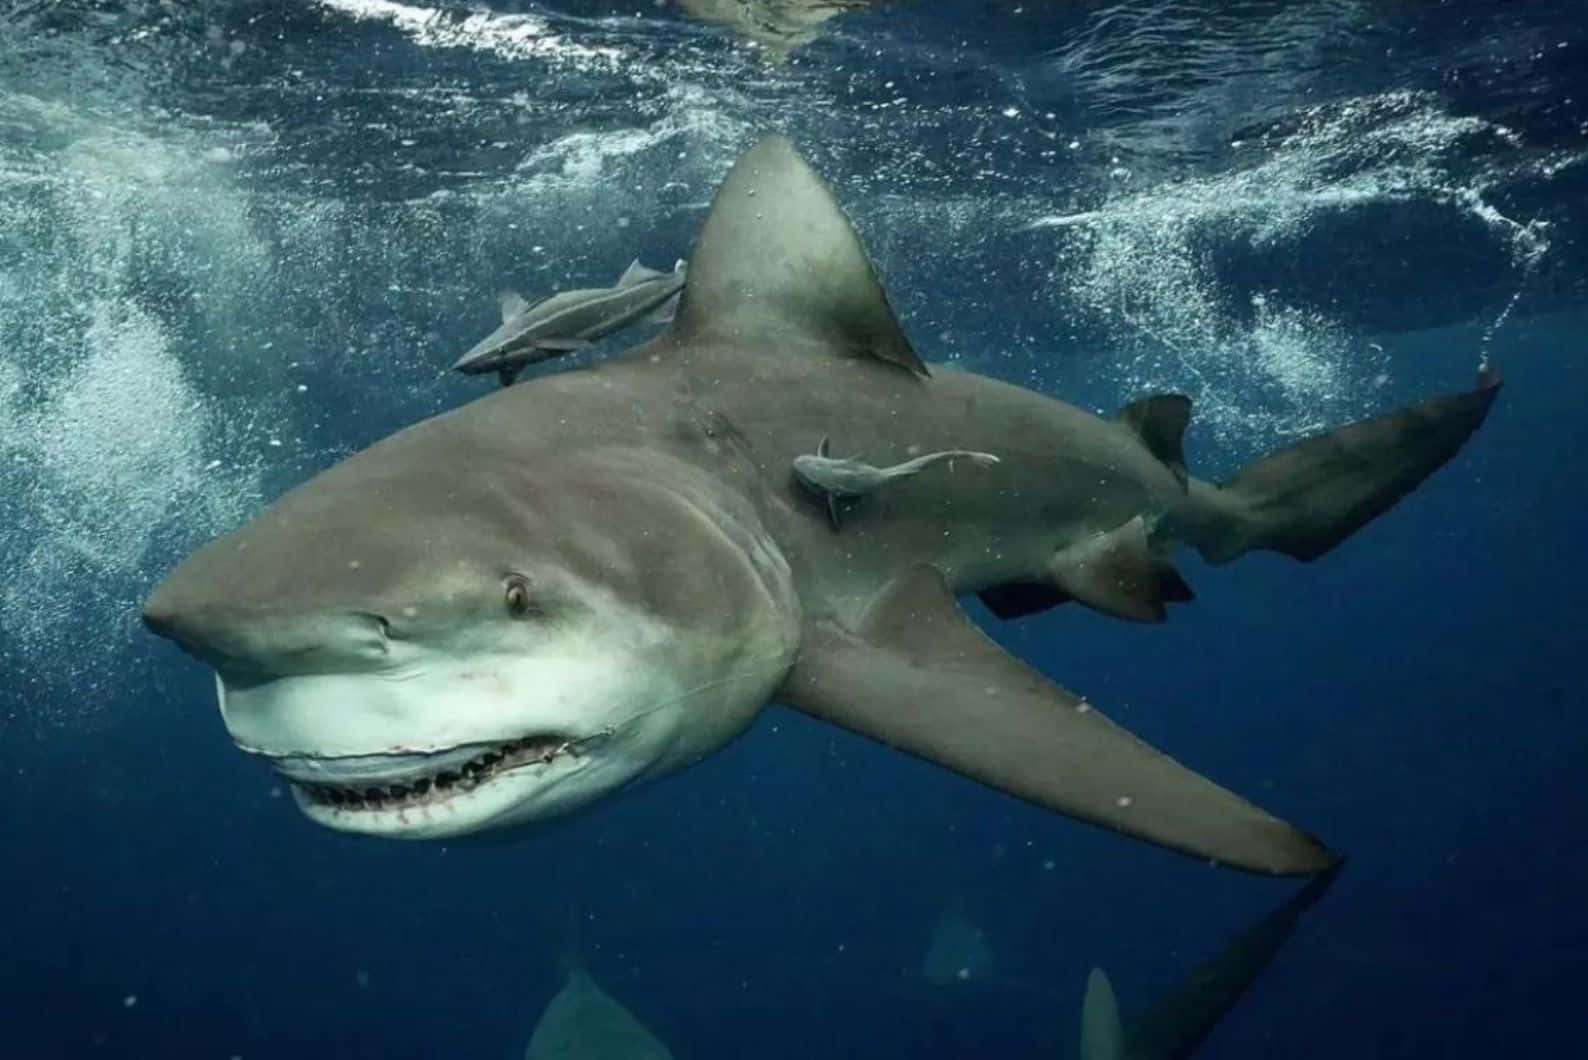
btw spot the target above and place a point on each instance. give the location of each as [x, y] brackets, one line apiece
[237, 243]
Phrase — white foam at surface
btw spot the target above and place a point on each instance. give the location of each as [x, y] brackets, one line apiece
[510, 36]
[1135, 264]
[106, 441]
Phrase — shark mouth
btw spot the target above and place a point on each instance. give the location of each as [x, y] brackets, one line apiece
[375, 783]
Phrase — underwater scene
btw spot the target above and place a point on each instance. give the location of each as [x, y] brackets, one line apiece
[578, 530]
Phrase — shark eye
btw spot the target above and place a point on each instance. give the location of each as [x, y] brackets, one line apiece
[516, 593]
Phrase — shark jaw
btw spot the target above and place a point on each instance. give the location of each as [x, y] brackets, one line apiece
[430, 796]
[445, 747]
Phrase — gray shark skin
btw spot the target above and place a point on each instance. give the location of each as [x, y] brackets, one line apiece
[1177, 1024]
[511, 609]
[571, 320]
[835, 479]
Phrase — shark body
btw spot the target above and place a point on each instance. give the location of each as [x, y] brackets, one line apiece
[511, 609]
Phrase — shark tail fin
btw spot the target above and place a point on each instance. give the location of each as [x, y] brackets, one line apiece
[1308, 497]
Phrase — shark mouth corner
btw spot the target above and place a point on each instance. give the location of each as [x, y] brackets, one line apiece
[348, 787]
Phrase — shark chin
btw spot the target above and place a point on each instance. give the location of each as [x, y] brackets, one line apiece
[447, 749]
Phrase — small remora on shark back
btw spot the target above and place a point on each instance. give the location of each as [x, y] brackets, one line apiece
[571, 320]
[602, 576]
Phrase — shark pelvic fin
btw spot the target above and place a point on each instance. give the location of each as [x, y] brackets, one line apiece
[919, 676]
[1117, 573]
[1159, 420]
[778, 261]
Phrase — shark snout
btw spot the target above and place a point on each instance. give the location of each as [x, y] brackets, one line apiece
[260, 642]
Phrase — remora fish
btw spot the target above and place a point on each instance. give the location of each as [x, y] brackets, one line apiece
[519, 606]
[572, 320]
[835, 479]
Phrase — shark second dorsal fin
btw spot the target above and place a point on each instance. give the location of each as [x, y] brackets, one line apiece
[1159, 420]
[777, 260]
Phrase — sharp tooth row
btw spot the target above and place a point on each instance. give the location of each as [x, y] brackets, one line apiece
[442, 784]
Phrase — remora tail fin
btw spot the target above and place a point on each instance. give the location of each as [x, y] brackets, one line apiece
[919, 676]
[1308, 497]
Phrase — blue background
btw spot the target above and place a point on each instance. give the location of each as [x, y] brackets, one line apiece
[189, 238]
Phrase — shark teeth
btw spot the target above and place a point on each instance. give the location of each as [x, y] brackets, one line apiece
[442, 784]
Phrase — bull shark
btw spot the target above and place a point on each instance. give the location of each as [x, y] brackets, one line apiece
[1177, 1024]
[549, 594]
[571, 320]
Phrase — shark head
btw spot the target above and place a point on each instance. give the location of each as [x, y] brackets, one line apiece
[424, 653]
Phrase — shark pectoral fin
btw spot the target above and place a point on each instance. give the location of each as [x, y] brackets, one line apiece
[561, 345]
[513, 304]
[506, 376]
[1117, 573]
[1102, 1034]
[777, 262]
[1159, 420]
[921, 677]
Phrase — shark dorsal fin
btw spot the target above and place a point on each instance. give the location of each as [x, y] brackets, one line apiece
[513, 304]
[1102, 1036]
[1159, 420]
[823, 446]
[777, 260]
